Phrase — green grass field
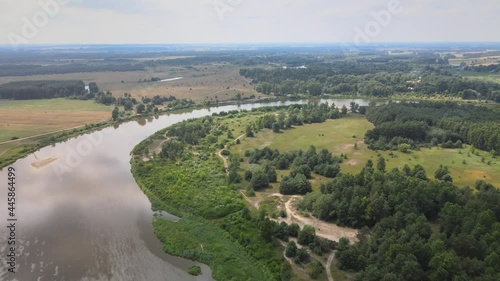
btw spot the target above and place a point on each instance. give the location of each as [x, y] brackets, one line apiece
[53, 104]
[340, 137]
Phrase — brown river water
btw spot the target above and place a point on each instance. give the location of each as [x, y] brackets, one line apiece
[80, 214]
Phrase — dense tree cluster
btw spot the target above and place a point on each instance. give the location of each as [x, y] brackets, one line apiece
[334, 79]
[295, 115]
[399, 207]
[433, 123]
[173, 150]
[157, 100]
[25, 90]
[295, 185]
[178, 104]
[301, 164]
[105, 98]
[192, 131]
[492, 68]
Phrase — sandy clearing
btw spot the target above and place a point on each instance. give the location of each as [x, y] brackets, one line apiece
[325, 230]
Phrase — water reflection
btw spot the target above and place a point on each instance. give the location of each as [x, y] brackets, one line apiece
[81, 216]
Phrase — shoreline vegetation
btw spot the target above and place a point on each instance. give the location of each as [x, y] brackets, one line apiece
[66, 134]
[188, 179]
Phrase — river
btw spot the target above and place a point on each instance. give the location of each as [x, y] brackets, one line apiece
[80, 214]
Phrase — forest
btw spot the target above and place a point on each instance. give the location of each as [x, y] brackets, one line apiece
[412, 228]
[413, 224]
[24, 90]
[300, 163]
[433, 123]
[371, 80]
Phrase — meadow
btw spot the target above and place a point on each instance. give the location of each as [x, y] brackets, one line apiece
[345, 136]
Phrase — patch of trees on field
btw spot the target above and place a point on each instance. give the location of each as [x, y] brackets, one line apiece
[294, 115]
[433, 123]
[193, 131]
[492, 68]
[301, 164]
[157, 100]
[24, 90]
[395, 210]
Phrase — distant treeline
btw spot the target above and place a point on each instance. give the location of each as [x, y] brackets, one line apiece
[29, 69]
[484, 68]
[25, 90]
[433, 123]
[368, 79]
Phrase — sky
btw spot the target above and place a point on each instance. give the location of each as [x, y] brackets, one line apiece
[247, 21]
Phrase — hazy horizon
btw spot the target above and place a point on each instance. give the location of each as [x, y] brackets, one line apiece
[148, 22]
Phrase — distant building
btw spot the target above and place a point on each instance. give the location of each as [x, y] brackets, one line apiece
[87, 89]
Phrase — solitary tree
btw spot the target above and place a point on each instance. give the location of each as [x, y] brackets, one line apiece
[115, 113]
[259, 180]
[306, 235]
[140, 108]
[381, 164]
[344, 110]
[276, 127]
[93, 89]
[249, 132]
[291, 249]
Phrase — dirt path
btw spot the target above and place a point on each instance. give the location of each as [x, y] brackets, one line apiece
[224, 159]
[254, 204]
[41, 135]
[328, 266]
[325, 230]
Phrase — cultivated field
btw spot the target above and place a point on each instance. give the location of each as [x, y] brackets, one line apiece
[32, 117]
[200, 82]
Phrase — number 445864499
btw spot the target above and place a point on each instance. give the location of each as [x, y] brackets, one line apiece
[11, 195]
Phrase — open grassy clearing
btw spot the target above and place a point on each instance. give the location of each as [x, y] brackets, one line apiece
[340, 137]
[486, 60]
[489, 77]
